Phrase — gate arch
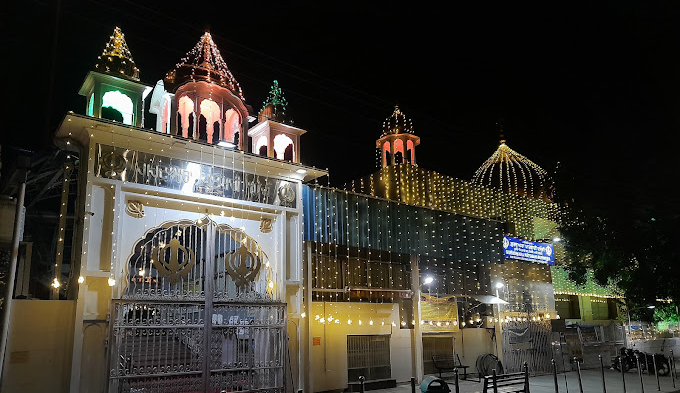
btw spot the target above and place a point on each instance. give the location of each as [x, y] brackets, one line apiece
[199, 313]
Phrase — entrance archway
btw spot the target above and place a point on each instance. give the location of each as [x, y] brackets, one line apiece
[199, 314]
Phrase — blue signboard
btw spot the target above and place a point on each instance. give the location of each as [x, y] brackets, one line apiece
[526, 250]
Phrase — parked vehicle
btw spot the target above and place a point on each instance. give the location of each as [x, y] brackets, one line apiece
[628, 359]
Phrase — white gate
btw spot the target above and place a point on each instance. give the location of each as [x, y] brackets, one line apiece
[198, 315]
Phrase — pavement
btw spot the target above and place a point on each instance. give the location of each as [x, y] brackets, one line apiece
[591, 381]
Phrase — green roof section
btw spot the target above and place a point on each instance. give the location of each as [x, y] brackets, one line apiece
[564, 286]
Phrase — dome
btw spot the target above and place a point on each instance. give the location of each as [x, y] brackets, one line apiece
[203, 63]
[116, 59]
[511, 172]
[397, 123]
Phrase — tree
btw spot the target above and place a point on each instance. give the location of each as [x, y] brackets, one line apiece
[627, 239]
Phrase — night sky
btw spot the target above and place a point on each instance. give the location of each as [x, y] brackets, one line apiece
[594, 86]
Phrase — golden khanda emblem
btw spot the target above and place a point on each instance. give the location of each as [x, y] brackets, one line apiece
[237, 263]
[266, 225]
[135, 209]
[112, 164]
[286, 194]
[178, 262]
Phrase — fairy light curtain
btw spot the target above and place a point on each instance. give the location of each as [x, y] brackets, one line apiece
[421, 187]
[342, 218]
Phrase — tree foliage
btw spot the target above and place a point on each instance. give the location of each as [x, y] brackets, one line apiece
[630, 239]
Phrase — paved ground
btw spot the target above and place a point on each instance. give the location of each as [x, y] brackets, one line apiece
[591, 380]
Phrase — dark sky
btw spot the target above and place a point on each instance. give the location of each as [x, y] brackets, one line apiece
[594, 86]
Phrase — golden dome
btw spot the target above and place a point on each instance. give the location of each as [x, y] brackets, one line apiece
[511, 172]
[116, 59]
[397, 123]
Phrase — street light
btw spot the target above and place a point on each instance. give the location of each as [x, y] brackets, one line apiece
[428, 280]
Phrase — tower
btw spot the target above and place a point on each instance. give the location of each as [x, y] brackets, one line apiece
[208, 102]
[274, 136]
[113, 89]
[397, 143]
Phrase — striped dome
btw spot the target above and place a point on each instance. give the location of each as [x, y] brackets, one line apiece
[511, 172]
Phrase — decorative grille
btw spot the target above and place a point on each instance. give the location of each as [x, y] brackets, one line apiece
[178, 329]
[368, 356]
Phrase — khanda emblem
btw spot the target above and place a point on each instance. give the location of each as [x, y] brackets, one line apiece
[178, 262]
[242, 265]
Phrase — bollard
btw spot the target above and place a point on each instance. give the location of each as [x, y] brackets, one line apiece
[656, 372]
[604, 385]
[526, 377]
[578, 373]
[674, 372]
[623, 374]
[646, 363]
[495, 385]
[361, 380]
[642, 385]
[455, 371]
[413, 385]
[557, 389]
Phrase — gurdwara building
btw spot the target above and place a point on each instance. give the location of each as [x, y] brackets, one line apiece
[208, 260]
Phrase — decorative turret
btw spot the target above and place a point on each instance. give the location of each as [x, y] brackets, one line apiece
[208, 103]
[116, 59]
[397, 142]
[113, 89]
[203, 63]
[274, 136]
[274, 107]
[512, 172]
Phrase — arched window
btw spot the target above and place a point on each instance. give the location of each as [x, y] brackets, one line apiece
[386, 154]
[281, 143]
[410, 152]
[211, 112]
[398, 151]
[185, 108]
[120, 103]
[261, 146]
[202, 126]
[232, 124]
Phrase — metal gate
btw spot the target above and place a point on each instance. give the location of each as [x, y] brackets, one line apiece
[199, 314]
[435, 346]
[368, 356]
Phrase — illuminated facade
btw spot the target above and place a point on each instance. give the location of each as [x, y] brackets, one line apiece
[189, 266]
[208, 263]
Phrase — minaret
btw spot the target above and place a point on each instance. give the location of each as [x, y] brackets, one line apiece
[397, 143]
[113, 89]
[208, 102]
[274, 135]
